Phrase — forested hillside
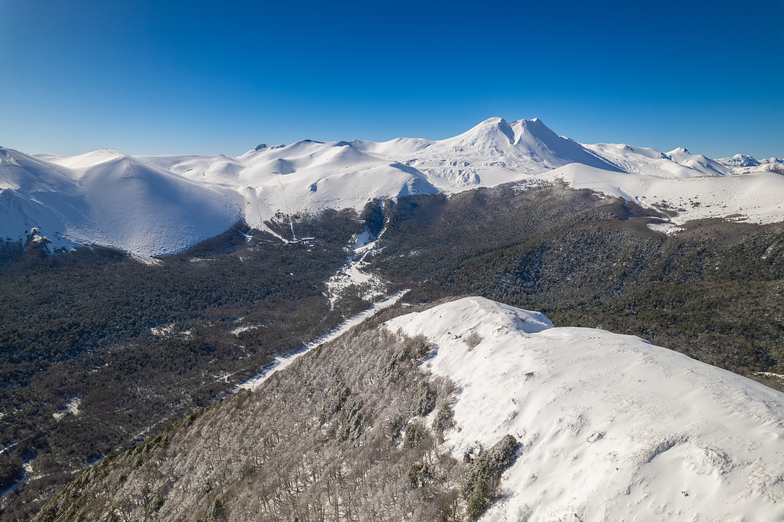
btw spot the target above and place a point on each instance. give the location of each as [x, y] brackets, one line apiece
[100, 350]
[712, 291]
[97, 349]
[342, 434]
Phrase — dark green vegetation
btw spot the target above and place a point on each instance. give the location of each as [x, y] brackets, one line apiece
[79, 325]
[714, 292]
[484, 473]
[337, 436]
[137, 346]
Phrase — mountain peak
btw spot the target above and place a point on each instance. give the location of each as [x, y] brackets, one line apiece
[263, 147]
[494, 120]
[528, 144]
[739, 160]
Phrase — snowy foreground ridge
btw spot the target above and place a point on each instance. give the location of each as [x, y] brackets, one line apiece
[611, 427]
[153, 205]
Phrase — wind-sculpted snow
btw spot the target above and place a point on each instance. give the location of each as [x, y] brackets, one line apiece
[109, 199]
[153, 205]
[611, 427]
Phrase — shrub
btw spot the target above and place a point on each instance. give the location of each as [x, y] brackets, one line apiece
[424, 401]
[155, 505]
[393, 425]
[477, 500]
[417, 347]
[217, 510]
[484, 470]
[472, 340]
[443, 420]
[415, 434]
[418, 475]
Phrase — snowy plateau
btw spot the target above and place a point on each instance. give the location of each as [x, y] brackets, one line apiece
[610, 427]
[157, 205]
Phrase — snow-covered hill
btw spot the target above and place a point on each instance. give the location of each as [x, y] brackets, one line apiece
[611, 427]
[110, 199]
[154, 205]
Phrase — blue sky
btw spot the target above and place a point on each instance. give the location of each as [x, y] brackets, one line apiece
[170, 77]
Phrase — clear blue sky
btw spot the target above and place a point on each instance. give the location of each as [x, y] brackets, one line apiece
[167, 77]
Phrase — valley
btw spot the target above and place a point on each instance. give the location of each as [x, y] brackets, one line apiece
[115, 341]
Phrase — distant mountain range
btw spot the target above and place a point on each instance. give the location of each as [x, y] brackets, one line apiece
[156, 205]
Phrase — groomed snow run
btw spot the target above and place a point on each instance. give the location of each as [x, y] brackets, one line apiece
[611, 427]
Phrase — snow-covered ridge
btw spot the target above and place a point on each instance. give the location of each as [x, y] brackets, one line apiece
[611, 427]
[151, 205]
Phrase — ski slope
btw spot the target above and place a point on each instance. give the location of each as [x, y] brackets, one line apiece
[611, 427]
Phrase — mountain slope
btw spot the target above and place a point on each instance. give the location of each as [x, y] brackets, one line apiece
[110, 199]
[611, 427]
[754, 197]
[35, 194]
[378, 425]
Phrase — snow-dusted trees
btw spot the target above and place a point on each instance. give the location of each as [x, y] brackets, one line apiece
[349, 432]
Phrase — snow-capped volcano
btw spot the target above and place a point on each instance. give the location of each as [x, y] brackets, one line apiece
[522, 142]
[611, 427]
[151, 205]
[491, 153]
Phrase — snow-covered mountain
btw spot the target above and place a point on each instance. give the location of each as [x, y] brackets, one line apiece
[741, 163]
[611, 427]
[153, 205]
[110, 199]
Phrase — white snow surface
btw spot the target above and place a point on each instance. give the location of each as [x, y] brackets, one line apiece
[71, 407]
[611, 427]
[153, 205]
[355, 274]
[110, 199]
